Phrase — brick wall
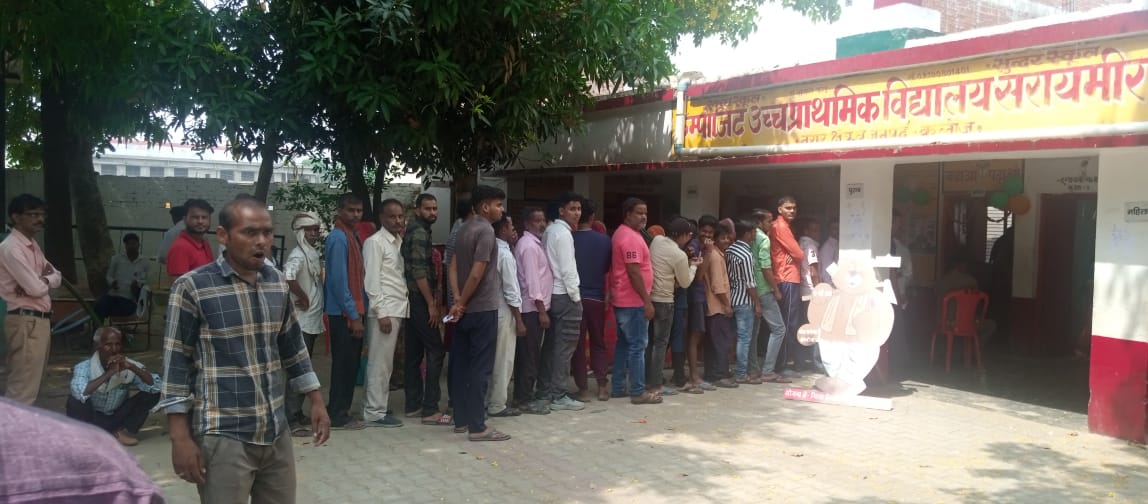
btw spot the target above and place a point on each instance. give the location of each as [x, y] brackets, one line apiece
[971, 14]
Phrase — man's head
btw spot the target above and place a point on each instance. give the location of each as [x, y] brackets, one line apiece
[487, 202]
[131, 245]
[634, 213]
[392, 216]
[588, 214]
[723, 237]
[570, 208]
[706, 226]
[504, 230]
[109, 343]
[534, 221]
[787, 208]
[349, 210]
[426, 208]
[197, 218]
[463, 209]
[808, 227]
[177, 214]
[679, 230]
[763, 218]
[309, 226]
[834, 229]
[245, 230]
[27, 214]
[745, 229]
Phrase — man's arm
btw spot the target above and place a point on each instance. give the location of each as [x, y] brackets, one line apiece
[472, 281]
[684, 272]
[301, 377]
[531, 284]
[418, 263]
[452, 279]
[291, 269]
[634, 274]
[746, 271]
[784, 238]
[373, 264]
[336, 257]
[569, 265]
[34, 283]
[508, 272]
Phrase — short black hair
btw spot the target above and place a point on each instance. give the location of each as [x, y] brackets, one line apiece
[708, 220]
[802, 225]
[529, 212]
[484, 193]
[630, 204]
[177, 213]
[197, 203]
[760, 214]
[567, 198]
[786, 199]
[587, 210]
[389, 201]
[130, 236]
[463, 208]
[348, 199]
[500, 223]
[227, 213]
[423, 197]
[743, 226]
[678, 226]
[24, 203]
[720, 230]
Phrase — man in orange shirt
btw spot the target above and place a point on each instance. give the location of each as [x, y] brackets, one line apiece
[787, 256]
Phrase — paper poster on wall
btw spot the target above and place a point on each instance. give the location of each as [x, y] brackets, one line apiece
[1136, 211]
[915, 196]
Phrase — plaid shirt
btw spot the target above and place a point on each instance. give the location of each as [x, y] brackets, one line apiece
[418, 255]
[225, 344]
[107, 401]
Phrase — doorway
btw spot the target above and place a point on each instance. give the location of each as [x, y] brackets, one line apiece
[1066, 256]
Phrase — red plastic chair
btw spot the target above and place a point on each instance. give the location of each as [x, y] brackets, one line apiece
[962, 313]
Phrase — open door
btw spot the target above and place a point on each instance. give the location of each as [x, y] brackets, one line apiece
[1064, 270]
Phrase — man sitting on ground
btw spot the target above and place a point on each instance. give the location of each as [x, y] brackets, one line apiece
[101, 386]
[127, 274]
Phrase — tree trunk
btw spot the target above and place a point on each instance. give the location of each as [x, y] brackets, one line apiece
[54, 107]
[92, 222]
[357, 183]
[269, 154]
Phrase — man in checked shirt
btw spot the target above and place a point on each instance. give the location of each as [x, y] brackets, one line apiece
[231, 330]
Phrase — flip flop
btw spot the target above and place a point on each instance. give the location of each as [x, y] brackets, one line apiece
[443, 419]
[707, 386]
[301, 432]
[414, 414]
[491, 435]
[691, 389]
[667, 391]
[507, 412]
[776, 378]
[646, 398]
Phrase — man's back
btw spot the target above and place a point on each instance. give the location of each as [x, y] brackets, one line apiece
[592, 253]
[475, 243]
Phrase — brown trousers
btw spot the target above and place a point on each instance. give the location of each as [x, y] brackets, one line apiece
[28, 339]
[238, 470]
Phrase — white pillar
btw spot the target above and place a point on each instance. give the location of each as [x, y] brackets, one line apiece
[591, 185]
[701, 193]
[1121, 265]
[866, 207]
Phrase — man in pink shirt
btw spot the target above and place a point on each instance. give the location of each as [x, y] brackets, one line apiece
[26, 280]
[631, 278]
[537, 285]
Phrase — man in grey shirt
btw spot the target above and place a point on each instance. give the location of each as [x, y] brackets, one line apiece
[478, 287]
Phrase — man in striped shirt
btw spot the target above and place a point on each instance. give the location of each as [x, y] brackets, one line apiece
[743, 295]
[231, 333]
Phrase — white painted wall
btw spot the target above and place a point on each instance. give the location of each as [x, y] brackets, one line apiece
[1120, 300]
[865, 220]
[1041, 176]
[626, 135]
[701, 192]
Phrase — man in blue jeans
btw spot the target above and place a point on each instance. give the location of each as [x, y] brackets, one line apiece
[631, 278]
[743, 295]
[477, 286]
[769, 294]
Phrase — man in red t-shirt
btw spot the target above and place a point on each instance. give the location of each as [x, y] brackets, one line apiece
[787, 256]
[631, 278]
[190, 249]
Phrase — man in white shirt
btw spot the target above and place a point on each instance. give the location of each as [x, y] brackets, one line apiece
[304, 273]
[388, 307]
[510, 323]
[809, 231]
[829, 251]
[177, 226]
[565, 306]
[126, 275]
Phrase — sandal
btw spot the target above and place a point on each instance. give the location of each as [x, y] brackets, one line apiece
[490, 435]
[443, 419]
[775, 378]
[707, 386]
[460, 430]
[646, 398]
[667, 391]
[750, 381]
[414, 414]
[507, 412]
[301, 432]
[691, 389]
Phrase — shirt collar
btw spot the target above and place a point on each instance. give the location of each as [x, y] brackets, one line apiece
[226, 270]
[502, 244]
[389, 236]
[22, 238]
[562, 223]
[528, 236]
[423, 222]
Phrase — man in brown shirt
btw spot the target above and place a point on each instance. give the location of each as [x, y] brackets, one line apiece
[719, 311]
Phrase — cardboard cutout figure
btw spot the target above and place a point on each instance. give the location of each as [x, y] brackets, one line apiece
[849, 324]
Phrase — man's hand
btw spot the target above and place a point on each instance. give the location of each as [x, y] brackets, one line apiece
[456, 312]
[187, 460]
[435, 315]
[543, 320]
[777, 294]
[117, 363]
[48, 269]
[21, 292]
[302, 302]
[520, 328]
[385, 325]
[649, 308]
[756, 307]
[357, 328]
[320, 422]
[727, 312]
[696, 261]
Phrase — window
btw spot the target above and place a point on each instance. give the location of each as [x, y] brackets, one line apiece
[283, 177]
[228, 175]
[132, 171]
[107, 169]
[247, 176]
[179, 172]
[155, 171]
[998, 222]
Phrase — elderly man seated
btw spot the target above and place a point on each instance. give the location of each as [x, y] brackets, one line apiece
[101, 388]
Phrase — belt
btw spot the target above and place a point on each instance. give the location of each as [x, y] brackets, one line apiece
[30, 313]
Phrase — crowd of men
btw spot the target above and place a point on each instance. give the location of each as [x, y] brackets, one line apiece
[519, 306]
